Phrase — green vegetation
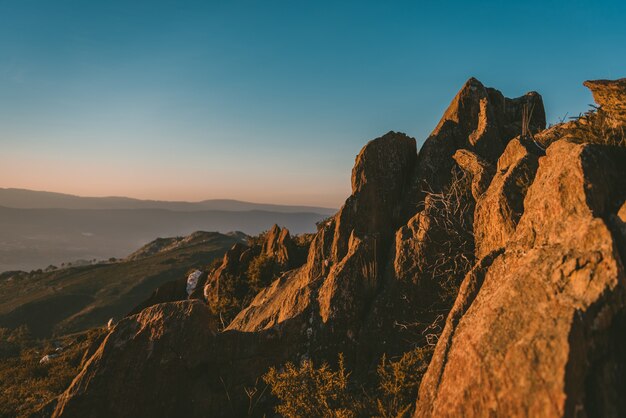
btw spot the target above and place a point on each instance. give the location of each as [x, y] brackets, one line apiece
[307, 391]
[74, 299]
[26, 382]
[399, 381]
[239, 285]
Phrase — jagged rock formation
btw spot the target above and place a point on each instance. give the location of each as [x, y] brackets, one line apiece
[499, 209]
[533, 241]
[278, 245]
[538, 326]
[480, 120]
[611, 96]
[146, 352]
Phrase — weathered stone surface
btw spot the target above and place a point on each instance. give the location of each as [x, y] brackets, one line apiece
[480, 120]
[542, 334]
[499, 209]
[287, 297]
[336, 261]
[481, 171]
[278, 245]
[130, 374]
[611, 96]
[380, 175]
[231, 266]
[169, 361]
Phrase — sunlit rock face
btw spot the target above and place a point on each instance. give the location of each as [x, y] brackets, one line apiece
[610, 95]
[533, 240]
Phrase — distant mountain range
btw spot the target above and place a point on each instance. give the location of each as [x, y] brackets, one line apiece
[32, 199]
[42, 228]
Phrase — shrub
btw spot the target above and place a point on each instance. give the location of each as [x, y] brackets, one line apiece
[307, 391]
[452, 214]
[261, 272]
[399, 381]
[26, 384]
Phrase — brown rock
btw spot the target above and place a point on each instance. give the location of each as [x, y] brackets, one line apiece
[380, 175]
[499, 209]
[230, 266]
[480, 170]
[480, 120]
[287, 297]
[131, 374]
[326, 299]
[542, 334]
[278, 245]
[611, 96]
[169, 361]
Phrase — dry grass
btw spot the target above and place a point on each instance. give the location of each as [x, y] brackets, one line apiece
[594, 127]
[26, 385]
[451, 213]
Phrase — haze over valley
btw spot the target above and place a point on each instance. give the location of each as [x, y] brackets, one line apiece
[38, 229]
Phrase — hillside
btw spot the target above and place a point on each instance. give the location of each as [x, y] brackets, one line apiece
[481, 276]
[77, 298]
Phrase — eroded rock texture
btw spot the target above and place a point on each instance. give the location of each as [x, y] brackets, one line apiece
[532, 238]
[538, 331]
[611, 96]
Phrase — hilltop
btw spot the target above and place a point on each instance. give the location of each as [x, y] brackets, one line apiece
[482, 275]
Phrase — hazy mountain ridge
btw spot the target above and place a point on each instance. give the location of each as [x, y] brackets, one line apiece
[35, 238]
[33, 199]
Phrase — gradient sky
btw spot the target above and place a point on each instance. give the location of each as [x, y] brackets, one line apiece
[266, 100]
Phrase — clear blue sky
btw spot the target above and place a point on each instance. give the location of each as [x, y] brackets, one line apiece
[266, 100]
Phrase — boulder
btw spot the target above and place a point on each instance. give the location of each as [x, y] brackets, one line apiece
[481, 170]
[231, 266]
[499, 209]
[279, 246]
[538, 327]
[131, 373]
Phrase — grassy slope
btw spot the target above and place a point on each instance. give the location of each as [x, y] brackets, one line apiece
[79, 298]
[26, 385]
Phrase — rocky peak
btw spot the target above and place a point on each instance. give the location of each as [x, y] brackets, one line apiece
[524, 260]
[480, 120]
[610, 95]
[279, 245]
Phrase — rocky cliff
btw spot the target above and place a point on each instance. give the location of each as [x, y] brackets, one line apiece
[518, 247]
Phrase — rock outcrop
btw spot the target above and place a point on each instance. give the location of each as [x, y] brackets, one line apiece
[611, 96]
[500, 207]
[480, 120]
[131, 373]
[517, 249]
[278, 245]
[538, 330]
